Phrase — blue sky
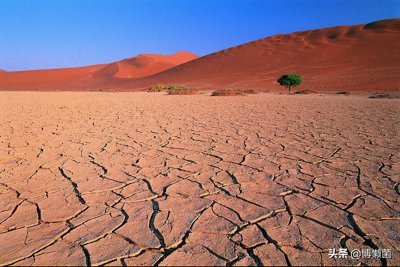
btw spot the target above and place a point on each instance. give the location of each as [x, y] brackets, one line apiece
[38, 34]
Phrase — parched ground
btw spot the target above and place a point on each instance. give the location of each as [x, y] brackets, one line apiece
[143, 179]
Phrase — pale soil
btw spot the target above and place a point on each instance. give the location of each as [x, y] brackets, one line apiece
[144, 178]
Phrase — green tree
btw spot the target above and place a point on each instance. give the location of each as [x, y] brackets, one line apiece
[290, 80]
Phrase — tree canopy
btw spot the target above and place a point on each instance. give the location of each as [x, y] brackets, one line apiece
[290, 80]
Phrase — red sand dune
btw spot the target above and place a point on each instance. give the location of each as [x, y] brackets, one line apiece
[45, 79]
[94, 76]
[362, 57]
[143, 65]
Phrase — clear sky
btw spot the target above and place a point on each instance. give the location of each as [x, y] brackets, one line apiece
[37, 34]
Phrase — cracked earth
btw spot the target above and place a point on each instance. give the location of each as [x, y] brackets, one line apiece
[148, 179]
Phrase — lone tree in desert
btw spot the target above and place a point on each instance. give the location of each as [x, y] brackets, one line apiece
[290, 80]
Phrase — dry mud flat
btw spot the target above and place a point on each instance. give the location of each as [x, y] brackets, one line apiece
[142, 179]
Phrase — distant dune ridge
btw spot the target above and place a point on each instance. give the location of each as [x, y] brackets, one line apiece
[143, 65]
[362, 57]
[92, 77]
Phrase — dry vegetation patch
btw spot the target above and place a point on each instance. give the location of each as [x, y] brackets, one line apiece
[172, 89]
[233, 92]
[304, 92]
[182, 91]
[384, 96]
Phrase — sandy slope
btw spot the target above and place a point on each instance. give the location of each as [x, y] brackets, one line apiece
[46, 79]
[91, 76]
[138, 179]
[143, 65]
[360, 57]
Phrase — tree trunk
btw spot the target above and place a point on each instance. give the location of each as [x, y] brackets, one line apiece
[289, 89]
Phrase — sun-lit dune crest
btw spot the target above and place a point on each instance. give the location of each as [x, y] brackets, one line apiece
[143, 65]
[387, 24]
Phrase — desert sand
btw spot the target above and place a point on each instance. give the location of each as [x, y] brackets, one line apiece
[361, 57]
[92, 77]
[145, 178]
